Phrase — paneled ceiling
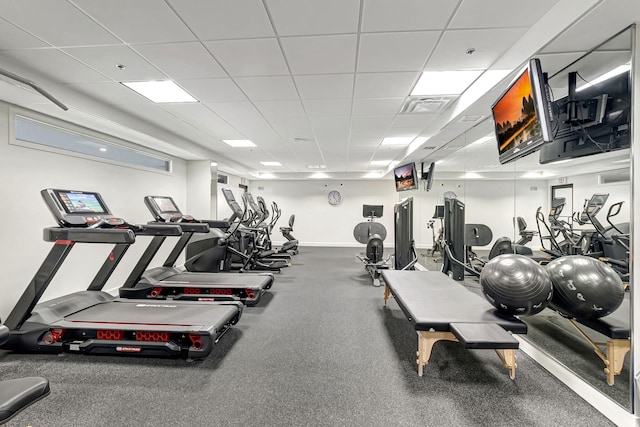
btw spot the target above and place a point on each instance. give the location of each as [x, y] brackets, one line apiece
[310, 82]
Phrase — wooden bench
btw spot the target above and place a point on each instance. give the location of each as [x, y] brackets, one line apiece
[616, 327]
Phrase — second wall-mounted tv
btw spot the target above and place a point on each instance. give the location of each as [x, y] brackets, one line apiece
[522, 114]
[428, 175]
[406, 177]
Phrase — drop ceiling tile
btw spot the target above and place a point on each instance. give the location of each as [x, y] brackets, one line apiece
[201, 117]
[214, 20]
[407, 51]
[590, 31]
[302, 17]
[489, 45]
[328, 107]
[321, 124]
[290, 128]
[329, 86]
[281, 108]
[228, 110]
[213, 90]
[139, 21]
[268, 88]
[182, 60]
[367, 122]
[65, 66]
[74, 28]
[358, 140]
[320, 54]
[105, 58]
[255, 57]
[499, 13]
[12, 37]
[376, 106]
[385, 85]
[414, 120]
[368, 134]
[406, 15]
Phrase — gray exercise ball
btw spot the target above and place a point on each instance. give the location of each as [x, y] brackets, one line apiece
[516, 284]
[584, 287]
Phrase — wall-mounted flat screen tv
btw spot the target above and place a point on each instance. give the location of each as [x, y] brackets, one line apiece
[522, 114]
[406, 178]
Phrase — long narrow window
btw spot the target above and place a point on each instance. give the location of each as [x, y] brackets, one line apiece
[46, 135]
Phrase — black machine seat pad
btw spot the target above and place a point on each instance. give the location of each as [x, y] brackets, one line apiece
[433, 301]
[615, 325]
[15, 395]
[483, 336]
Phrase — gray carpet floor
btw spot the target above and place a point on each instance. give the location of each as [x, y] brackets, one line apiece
[319, 350]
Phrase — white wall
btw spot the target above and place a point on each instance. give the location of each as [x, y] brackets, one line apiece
[319, 224]
[584, 186]
[199, 189]
[27, 171]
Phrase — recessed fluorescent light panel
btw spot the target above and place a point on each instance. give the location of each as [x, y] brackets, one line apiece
[397, 140]
[444, 82]
[271, 163]
[239, 143]
[161, 91]
[319, 175]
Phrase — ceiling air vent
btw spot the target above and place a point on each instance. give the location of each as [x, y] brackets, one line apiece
[426, 104]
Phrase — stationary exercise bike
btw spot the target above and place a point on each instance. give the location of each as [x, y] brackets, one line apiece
[372, 234]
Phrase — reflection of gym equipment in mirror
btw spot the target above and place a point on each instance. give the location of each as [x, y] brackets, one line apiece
[596, 299]
[438, 242]
[609, 244]
[372, 234]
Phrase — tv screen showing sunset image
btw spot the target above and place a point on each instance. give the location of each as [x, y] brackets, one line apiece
[515, 115]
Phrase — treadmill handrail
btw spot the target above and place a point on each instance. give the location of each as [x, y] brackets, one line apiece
[89, 235]
[159, 229]
[186, 227]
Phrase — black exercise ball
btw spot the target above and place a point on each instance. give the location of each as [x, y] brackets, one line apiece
[584, 287]
[516, 284]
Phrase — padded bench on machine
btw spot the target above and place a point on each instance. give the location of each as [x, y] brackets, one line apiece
[441, 309]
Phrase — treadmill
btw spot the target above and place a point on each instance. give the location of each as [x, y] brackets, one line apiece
[95, 322]
[170, 282]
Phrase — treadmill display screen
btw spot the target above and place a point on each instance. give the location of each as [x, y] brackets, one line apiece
[81, 202]
[165, 204]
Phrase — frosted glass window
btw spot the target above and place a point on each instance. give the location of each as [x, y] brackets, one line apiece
[55, 137]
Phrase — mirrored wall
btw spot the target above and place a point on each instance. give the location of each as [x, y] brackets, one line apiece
[590, 157]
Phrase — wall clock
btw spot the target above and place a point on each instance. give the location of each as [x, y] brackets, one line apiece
[334, 197]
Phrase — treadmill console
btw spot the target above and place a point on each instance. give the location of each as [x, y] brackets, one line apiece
[78, 208]
[164, 209]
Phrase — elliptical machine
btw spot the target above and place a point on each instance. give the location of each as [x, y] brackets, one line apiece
[372, 234]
